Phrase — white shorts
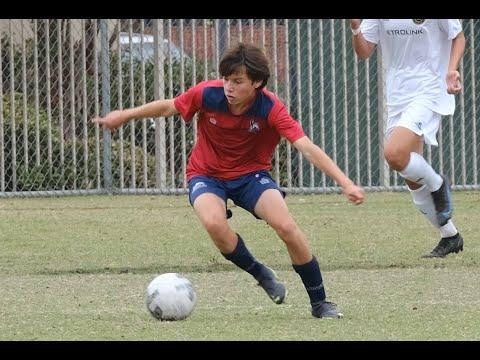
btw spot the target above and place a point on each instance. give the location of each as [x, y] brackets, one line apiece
[419, 119]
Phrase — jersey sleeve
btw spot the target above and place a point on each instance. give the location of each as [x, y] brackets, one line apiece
[370, 31]
[452, 27]
[189, 102]
[288, 127]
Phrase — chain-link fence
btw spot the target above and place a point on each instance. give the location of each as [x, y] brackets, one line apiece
[57, 74]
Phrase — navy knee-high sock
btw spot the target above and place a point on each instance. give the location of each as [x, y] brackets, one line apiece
[244, 259]
[312, 280]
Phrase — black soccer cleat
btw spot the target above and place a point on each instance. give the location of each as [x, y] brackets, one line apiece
[442, 198]
[326, 309]
[267, 279]
[452, 244]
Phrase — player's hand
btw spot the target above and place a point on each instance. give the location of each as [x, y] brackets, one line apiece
[454, 85]
[355, 23]
[112, 120]
[355, 194]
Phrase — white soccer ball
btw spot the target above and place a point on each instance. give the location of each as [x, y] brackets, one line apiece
[170, 296]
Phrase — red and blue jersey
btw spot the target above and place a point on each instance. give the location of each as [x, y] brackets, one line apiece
[229, 146]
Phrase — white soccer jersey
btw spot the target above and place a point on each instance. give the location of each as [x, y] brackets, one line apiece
[415, 54]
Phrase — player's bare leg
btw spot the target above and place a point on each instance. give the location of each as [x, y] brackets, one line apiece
[210, 209]
[272, 208]
[430, 192]
[399, 145]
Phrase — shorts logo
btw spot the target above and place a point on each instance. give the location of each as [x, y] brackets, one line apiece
[254, 127]
[264, 181]
[213, 121]
[419, 125]
[198, 185]
[418, 21]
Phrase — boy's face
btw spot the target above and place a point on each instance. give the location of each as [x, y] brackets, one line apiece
[239, 88]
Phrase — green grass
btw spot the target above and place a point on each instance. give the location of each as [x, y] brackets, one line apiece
[76, 268]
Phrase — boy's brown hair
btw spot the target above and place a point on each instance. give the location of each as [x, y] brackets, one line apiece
[250, 56]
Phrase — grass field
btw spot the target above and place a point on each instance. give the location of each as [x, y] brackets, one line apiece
[76, 268]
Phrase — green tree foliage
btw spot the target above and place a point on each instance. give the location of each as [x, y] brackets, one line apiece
[68, 165]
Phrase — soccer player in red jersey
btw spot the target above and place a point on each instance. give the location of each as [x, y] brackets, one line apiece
[239, 125]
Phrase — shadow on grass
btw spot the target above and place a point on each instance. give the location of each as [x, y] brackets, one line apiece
[213, 268]
[160, 269]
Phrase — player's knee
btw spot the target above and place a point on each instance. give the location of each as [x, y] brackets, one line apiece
[286, 230]
[216, 225]
[396, 158]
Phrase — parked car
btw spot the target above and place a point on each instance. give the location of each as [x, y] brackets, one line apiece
[148, 48]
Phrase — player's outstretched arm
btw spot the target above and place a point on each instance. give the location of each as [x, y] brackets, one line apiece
[156, 108]
[323, 162]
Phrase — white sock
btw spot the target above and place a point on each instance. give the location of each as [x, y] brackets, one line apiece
[448, 229]
[419, 171]
[424, 203]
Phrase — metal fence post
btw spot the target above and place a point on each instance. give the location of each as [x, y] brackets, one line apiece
[383, 166]
[222, 41]
[159, 93]
[105, 71]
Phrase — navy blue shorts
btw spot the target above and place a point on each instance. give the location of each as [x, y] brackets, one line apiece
[243, 191]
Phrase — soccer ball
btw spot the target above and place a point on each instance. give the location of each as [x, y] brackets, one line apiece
[170, 296]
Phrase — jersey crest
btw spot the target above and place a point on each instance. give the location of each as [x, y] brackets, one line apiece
[418, 21]
[254, 127]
